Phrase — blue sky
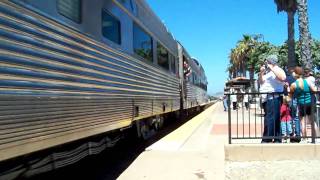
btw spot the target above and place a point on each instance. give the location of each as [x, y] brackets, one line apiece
[208, 29]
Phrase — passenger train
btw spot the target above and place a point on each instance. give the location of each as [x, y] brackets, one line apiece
[72, 69]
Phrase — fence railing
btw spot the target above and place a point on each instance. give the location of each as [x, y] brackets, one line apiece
[273, 118]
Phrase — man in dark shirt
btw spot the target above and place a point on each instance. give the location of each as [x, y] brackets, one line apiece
[293, 106]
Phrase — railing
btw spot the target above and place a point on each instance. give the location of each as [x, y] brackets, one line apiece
[257, 118]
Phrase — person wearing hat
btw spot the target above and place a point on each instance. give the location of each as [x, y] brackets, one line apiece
[272, 77]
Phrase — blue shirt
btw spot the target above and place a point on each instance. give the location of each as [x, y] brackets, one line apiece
[303, 95]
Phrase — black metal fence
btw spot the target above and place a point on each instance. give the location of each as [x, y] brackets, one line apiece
[273, 118]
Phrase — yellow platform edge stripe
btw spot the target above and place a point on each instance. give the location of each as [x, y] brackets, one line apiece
[186, 130]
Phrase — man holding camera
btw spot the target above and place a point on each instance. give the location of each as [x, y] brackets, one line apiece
[273, 77]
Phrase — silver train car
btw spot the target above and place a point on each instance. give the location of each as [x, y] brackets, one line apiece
[71, 69]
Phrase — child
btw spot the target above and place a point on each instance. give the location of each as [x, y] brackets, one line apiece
[286, 126]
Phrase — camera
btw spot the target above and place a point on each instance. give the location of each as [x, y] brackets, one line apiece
[266, 67]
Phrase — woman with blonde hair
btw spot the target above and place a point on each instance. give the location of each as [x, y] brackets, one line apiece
[302, 89]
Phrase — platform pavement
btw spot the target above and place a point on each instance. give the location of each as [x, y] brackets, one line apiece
[199, 150]
[193, 151]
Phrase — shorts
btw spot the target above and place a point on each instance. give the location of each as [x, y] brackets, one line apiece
[304, 109]
[286, 128]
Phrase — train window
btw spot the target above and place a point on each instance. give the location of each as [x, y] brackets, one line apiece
[163, 56]
[142, 43]
[173, 64]
[70, 9]
[190, 78]
[111, 27]
[195, 79]
[177, 66]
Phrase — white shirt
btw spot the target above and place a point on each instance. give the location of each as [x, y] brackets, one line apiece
[233, 98]
[263, 89]
[311, 80]
[245, 98]
[272, 83]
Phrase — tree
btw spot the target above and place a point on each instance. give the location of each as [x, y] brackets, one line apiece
[241, 58]
[231, 70]
[315, 54]
[237, 61]
[282, 52]
[305, 37]
[239, 55]
[260, 52]
[290, 7]
[315, 49]
[233, 64]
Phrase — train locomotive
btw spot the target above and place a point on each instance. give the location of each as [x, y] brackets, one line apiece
[72, 69]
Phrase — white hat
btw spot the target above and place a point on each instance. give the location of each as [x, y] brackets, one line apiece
[272, 59]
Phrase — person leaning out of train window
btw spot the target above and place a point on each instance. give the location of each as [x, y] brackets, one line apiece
[272, 76]
[186, 69]
[302, 90]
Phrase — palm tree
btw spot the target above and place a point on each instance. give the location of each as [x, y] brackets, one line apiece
[315, 49]
[231, 70]
[234, 63]
[243, 50]
[305, 37]
[240, 57]
[290, 7]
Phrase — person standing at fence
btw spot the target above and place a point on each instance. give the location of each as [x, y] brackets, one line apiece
[273, 79]
[308, 74]
[225, 103]
[234, 100]
[294, 108]
[302, 89]
[286, 124]
[245, 99]
[263, 100]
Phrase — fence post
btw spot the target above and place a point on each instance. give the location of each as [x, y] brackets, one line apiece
[312, 118]
[229, 117]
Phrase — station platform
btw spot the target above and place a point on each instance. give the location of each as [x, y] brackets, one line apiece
[199, 149]
[193, 151]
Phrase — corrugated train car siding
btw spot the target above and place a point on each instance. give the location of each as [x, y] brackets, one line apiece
[195, 96]
[55, 81]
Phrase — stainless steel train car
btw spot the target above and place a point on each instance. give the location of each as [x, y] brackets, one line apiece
[70, 69]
